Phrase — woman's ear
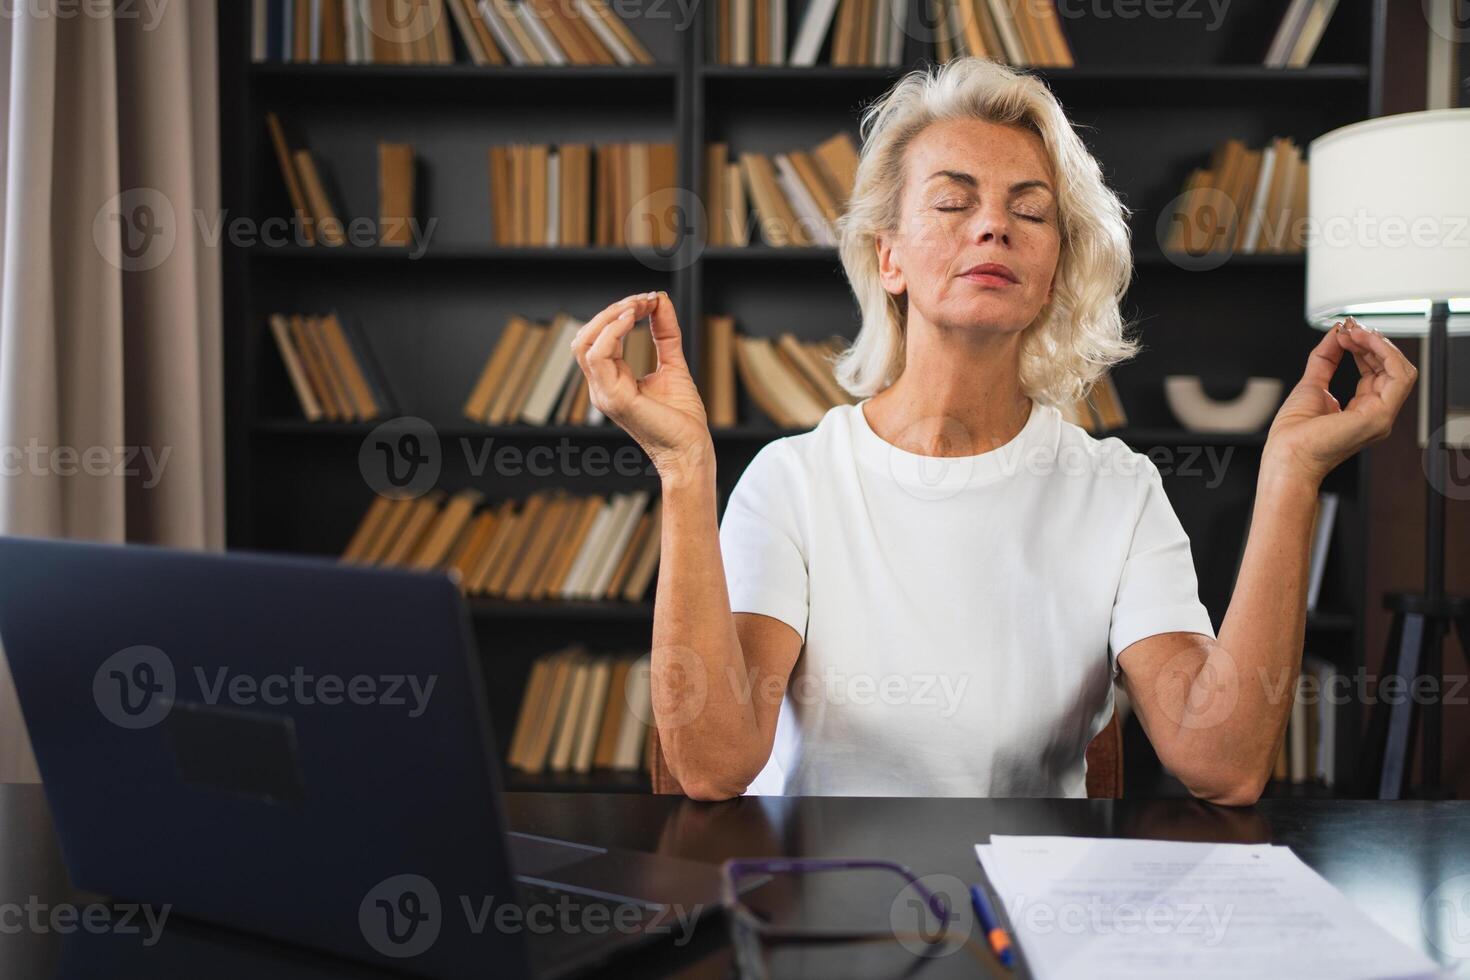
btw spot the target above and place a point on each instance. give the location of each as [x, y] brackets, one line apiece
[888, 271]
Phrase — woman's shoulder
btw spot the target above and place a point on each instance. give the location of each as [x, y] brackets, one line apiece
[803, 454]
[1106, 455]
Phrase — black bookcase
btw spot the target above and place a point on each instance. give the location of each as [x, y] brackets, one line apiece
[1154, 95]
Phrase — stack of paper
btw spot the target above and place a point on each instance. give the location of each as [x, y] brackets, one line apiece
[1137, 909]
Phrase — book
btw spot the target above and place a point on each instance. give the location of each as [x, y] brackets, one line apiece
[628, 750]
[328, 226]
[557, 370]
[612, 716]
[1322, 525]
[291, 178]
[330, 368]
[395, 193]
[492, 376]
[295, 369]
[570, 718]
[594, 705]
[784, 385]
[552, 544]
[1247, 199]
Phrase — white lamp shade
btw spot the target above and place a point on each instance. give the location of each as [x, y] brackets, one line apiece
[1389, 222]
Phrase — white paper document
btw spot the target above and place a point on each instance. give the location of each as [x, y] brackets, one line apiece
[1109, 908]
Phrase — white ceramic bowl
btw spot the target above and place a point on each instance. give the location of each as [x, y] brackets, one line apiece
[1246, 412]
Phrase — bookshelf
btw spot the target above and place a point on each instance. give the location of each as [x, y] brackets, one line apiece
[1155, 95]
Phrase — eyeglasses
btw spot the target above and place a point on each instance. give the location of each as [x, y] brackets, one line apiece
[923, 924]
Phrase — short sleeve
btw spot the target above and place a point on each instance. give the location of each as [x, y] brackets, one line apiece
[1158, 591]
[761, 539]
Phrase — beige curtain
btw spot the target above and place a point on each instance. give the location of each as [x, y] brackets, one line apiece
[110, 381]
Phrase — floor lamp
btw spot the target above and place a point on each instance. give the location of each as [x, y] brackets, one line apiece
[1389, 243]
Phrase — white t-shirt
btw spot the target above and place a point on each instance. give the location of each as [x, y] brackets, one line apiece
[961, 615]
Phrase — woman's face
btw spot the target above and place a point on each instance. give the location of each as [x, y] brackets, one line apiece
[975, 193]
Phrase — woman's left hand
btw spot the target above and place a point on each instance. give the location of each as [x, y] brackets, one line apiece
[1312, 434]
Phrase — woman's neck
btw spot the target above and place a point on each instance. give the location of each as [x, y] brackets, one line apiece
[959, 393]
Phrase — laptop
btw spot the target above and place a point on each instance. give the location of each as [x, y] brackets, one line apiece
[302, 750]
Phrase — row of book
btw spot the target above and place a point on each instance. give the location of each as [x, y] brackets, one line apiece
[551, 545]
[533, 376]
[331, 369]
[403, 32]
[790, 380]
[575, 194]
[1308, 752]
[1246, 201]
[798, 195]
[1012, 32]
[872, 32]
[582, 711]
[313, 211]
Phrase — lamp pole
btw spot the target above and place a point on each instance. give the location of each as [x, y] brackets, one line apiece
[1434, 521]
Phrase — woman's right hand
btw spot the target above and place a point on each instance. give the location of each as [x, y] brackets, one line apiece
[662, 411]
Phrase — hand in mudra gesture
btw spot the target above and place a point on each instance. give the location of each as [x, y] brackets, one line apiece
[662, 411]
[1312, 434]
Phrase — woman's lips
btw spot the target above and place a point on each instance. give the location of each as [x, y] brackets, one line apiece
[988, 279]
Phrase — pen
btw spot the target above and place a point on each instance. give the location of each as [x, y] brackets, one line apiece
[1000, 940]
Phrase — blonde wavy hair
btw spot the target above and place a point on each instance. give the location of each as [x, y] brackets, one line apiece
[1080, 332]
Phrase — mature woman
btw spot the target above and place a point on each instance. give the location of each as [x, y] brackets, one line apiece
[933, 592]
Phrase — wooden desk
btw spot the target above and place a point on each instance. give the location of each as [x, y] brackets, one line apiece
[1387, 857]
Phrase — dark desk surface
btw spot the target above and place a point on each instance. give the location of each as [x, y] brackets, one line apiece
[1389, 858]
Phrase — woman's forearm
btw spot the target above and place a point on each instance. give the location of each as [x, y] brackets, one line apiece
[1259, 653]
[707, 728]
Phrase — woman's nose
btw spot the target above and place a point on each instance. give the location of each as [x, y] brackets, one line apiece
[992, 224]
